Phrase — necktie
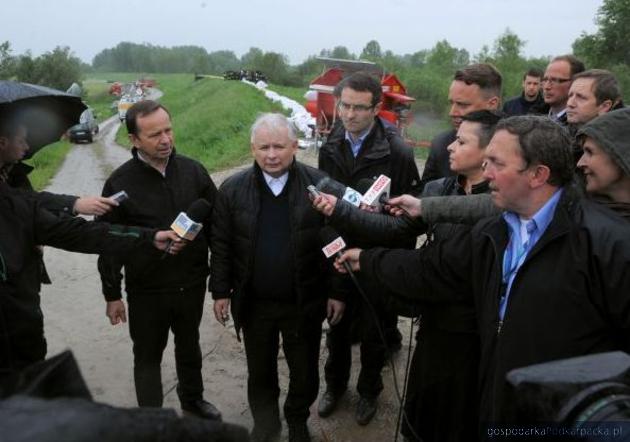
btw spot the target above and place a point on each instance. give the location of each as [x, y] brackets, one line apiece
[512, 260]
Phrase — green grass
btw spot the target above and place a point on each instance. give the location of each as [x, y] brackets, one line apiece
[46, 163]
[211, 118]
[294, 93]
[98, 98]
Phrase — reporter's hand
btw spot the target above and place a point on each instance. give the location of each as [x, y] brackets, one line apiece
[168, 240]
[405, 205]
[115, 311]
[222, 310]
[368, 208]
[334, 311]
[325, 203]
[351, 256]
[94, 205]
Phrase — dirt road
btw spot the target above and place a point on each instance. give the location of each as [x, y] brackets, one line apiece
[74, 312]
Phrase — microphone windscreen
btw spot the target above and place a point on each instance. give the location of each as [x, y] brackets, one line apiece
[199, 210]
[364, 184]
[328, 235]
[332, 187]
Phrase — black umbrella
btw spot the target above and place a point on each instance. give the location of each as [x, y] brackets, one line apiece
[45, 112]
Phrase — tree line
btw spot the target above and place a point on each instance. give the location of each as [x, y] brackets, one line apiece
[426, 73]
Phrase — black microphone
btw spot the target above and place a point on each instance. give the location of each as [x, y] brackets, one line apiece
[188, 224]
[334, 245]
[364, 184]
[341, 191]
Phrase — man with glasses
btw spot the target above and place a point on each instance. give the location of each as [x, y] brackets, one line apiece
[361, 146]
[556, 83]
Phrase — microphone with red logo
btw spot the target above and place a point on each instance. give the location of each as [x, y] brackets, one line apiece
[334, 245]
[188, 224]
[377, 194]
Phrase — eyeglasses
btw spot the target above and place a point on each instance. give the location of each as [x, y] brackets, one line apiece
[355, 107]
[555, 80]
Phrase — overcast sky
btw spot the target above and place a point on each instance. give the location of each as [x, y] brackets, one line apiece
[295, 28]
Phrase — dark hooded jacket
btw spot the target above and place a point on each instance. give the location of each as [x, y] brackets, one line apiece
[611, 132]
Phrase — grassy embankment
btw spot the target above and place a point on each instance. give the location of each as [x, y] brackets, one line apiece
[211, 118]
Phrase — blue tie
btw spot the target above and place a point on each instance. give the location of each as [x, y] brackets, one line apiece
[512, 260]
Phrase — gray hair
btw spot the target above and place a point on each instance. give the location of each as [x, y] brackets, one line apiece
[273, 121]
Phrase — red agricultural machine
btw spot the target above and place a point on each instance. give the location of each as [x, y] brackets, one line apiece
[321, 103]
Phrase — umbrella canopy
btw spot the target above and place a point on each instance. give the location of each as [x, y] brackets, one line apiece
[45, 112]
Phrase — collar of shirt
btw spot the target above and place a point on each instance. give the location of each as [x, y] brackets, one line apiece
[556, 117]
[541, 218]
[519, 247]
[276, 185]
[144, 160]
[355, 145]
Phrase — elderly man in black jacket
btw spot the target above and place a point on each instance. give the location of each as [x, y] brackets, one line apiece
[267, 262]
[163, 294]
[549, 276]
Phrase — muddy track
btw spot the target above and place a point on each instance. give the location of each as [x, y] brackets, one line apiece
[74, 312]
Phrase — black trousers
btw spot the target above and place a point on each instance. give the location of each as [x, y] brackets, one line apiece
[150, 319]
[339, 344]
[263, 325]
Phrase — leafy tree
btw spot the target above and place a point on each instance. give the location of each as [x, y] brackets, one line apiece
[7, 61]
[609, 45]
[58, 69]
[371, 51]
[446, 58]
[342, 52]
[483, 56]
[25, 68]
[508, 60]
[252, 58]
[507, 48]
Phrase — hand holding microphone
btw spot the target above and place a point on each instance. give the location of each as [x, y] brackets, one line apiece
[346, 261]
[187, 225]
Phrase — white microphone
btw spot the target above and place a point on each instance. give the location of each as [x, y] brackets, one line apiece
[378, 193]
[188, 224]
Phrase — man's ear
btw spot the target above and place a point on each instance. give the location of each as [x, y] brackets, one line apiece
[377, 107]
[605, 107]
[539, 175]
[493, 103]
[134, 139]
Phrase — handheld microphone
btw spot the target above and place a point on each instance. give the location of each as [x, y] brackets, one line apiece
[335, 245]
[378, 194]
[188, 224]
[328, 185]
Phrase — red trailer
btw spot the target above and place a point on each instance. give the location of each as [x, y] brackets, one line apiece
[321, 103]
